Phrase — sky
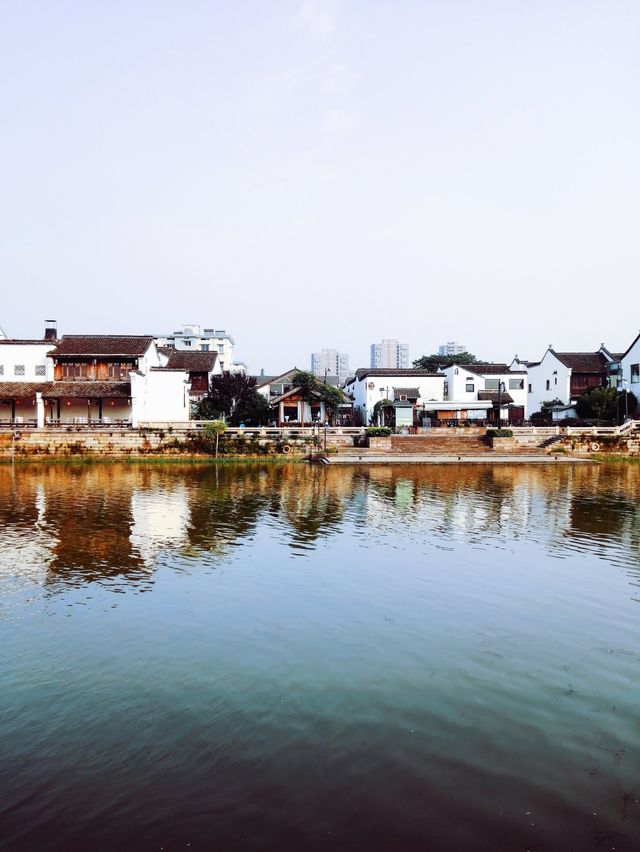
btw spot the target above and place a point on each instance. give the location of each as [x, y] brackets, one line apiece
[313, 174]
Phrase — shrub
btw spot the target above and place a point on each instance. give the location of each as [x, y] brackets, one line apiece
[499, 433]
[379, 431]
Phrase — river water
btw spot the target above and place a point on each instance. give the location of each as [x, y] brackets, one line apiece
[292, 658]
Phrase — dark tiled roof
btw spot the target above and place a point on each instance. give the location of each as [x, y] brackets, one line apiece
[14, 390]
[393, 373]
[276, 400]
[489, 369]
[275, 380]
[89, 390]
[492, 396]
[103, 344]
[410, 393]
[582, 362]
[194, 362]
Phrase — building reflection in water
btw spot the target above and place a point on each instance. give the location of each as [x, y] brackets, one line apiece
[84, 523]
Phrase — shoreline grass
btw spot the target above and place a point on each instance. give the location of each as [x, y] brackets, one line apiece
[202, 460]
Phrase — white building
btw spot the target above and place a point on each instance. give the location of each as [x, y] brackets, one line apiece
[194, 338]
[25, 360]
[90, 380]
[452, 347]
[474, 391]
[330, 362]
[161, 395]
[390, 355]
[562, 377]
[630, 369]
[370, 386]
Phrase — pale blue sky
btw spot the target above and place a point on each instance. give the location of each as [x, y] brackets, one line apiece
[313, 174]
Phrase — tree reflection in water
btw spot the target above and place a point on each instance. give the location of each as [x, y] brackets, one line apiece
[86, 523]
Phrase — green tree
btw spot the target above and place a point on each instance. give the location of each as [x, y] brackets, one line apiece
[432, 362]
[234, 397]
[597, 404]
[603, 403]
[212, 432]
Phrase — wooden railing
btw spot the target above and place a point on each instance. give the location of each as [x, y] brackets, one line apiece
[84, 423]
[19, 423]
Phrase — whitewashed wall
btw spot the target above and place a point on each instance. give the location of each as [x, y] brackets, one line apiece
[631, 357]
[365, 397]
[553, 371]
[159, 396]
[459, 378]
[29, 356]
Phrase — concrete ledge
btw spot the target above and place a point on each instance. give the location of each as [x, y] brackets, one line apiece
[443, 459]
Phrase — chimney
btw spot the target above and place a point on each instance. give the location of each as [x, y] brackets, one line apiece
[50, 330]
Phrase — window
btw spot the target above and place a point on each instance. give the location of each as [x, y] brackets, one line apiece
[492, 384]
[548, 384]
[517, 384]
[204, 347]
[635, 373]
[117, 370]
[41, 370]
[18, 370]
[529, 388]
[555, 380]
[469, 387]
[74, 372]
[1, 369]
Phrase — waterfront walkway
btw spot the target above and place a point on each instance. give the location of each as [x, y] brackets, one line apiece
[488, 458]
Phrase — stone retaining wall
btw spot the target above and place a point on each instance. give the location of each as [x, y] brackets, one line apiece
[74, 442]
[621, 445]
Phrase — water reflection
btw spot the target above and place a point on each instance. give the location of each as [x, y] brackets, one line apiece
[435, 658]
[77, 524]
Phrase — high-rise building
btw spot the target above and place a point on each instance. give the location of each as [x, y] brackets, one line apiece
[192, 338]
[330, 362]
[451, 347]
[389, 354]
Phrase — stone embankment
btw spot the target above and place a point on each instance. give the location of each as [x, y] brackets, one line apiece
[525, 445]
[442, 444]
[74, 442]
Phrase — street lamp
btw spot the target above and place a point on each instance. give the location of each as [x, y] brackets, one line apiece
[501, 388]
[624, 382]
[326, 427]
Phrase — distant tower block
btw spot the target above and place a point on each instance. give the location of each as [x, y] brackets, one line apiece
[389, 354]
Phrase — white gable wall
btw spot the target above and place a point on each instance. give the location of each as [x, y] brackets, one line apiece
[631, 369]
[28, 356]
[550, 379]
[159, 396]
